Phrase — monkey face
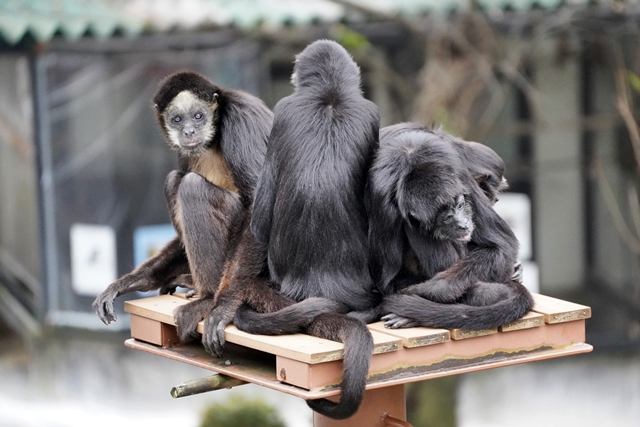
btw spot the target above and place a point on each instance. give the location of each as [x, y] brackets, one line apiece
[190, 122]
[454, 221]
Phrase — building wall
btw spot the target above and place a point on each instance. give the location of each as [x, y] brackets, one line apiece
[558, 189]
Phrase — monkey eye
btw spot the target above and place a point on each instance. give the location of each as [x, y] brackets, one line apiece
[176, 119]
[198, 116]
[448, 219]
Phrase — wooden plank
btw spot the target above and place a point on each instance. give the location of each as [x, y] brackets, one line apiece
[406, 365]
[385, 343]
[462, 334]
[158, 308]
[259, 371]
[557, 311]
[444, 357]
[414, 337]
[529, 320]
[303, 348]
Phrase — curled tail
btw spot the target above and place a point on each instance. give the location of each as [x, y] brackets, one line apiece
[288, 320]
[462, 316]
[358, 347]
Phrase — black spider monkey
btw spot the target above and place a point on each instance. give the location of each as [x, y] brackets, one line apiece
[417, 177]
[220, 136]
[309, 221]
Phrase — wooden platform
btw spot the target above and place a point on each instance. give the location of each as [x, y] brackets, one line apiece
[310, 367]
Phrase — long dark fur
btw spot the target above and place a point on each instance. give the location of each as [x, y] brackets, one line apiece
[415, 172]
[484, 164]
[208, 218]
[309, 214]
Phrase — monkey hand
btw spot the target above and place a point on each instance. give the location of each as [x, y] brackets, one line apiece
[136, 281]
[213, 338]
[518, 272]
[395, 321]
[103, 305]
[183, 281]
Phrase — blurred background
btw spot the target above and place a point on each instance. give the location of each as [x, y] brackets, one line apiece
[550, 85]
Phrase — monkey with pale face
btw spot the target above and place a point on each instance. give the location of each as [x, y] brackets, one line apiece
[220, 136]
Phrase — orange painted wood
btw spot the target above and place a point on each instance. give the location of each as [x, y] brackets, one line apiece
[375, 405]
[401, 356]
[153, 332]
[443, 357]
[261, 370]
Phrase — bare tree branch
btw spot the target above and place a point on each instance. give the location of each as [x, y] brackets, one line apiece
[614, 209]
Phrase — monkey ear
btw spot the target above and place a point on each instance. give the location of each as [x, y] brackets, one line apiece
[482, 177]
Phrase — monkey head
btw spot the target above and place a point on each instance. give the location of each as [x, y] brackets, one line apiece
[187, 109]
[454, 221]
[431, 181]
[325, 61]
[485, 166]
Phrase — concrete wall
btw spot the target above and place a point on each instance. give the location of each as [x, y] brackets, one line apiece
[558, 192]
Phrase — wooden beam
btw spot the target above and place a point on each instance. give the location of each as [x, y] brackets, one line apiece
[557, 311]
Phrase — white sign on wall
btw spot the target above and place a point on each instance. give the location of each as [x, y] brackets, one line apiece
[515, 208]
[93, 258]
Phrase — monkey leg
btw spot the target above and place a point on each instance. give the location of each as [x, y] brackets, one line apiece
[441, 289]
[242, 275]
[289, 319]
[154, 273]
[482, 293]
[187, 317]
[209, 215]
[246, 290]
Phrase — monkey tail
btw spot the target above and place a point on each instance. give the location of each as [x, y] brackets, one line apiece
[462, 316]
[289, 320]
[358, 347]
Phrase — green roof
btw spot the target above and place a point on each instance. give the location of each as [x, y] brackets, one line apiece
[42, 19]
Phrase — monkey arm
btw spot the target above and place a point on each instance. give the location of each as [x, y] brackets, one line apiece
[244, 129]
[491, 257]
[385, 234]
[154, 273]
[262, 209]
